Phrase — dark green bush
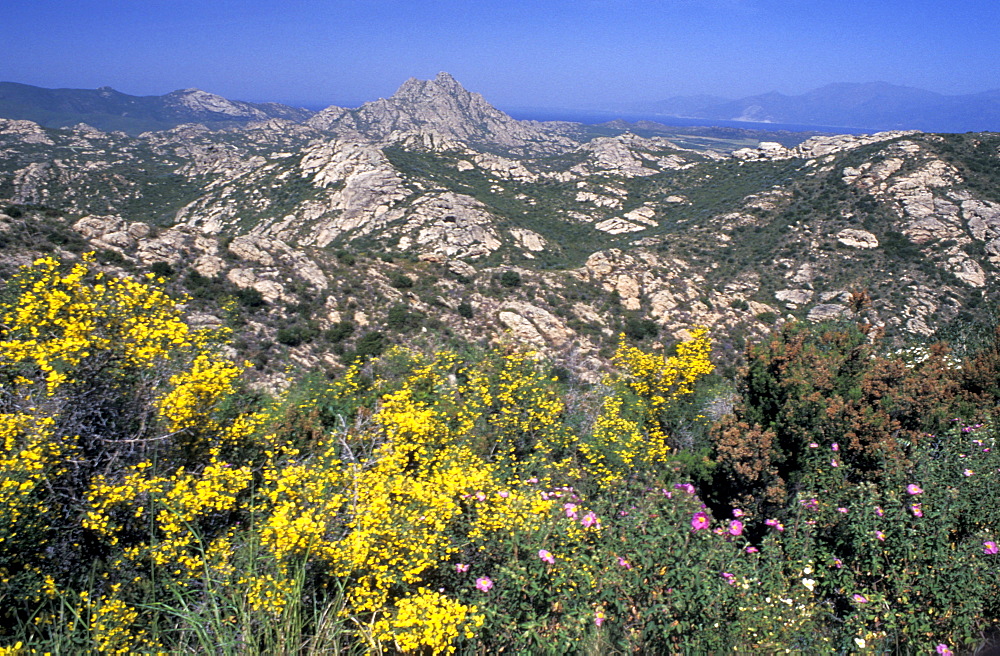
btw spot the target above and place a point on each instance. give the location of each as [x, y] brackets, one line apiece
[371, 345]
[297, 334]
[339, 331]
[639, 329]
[402, 319]
[250, 298]
[510, 279]
[401, 281]
[162, 269]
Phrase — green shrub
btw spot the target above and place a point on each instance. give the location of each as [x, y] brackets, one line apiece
[297, 334]
[639, 329]
[510, 279]
[162, 269]
[401, 318]
[401, 281]
[370, 345]
[250, 298]
[339, 331]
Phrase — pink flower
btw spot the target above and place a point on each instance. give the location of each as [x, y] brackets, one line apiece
[915, 509]
[810, 504]
[775, 524]
[570, 509]
[736, 527]
[751, 549]
[860, 598]
[699, 521]
[687, 487]
[503, 494]
[624, 563]
[838, 563]
[879, 511]
[599, 617]
[546, 556]
[484, 583]
[913, 488]
[590, 519]
[481, 496]
[942, 650]
[833, 463]
[813, 445]
[730, 579]
[968, 472]
[842, 510]
[737, 513]
[835, 446]
[461, 568]
[880, 535]
[990, 547]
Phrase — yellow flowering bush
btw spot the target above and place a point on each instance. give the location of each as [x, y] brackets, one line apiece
[102, 377]
[394, 499]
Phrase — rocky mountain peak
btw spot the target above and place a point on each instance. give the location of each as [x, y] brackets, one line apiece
[444, 108]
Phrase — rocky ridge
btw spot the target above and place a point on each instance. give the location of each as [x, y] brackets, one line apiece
[418, 234]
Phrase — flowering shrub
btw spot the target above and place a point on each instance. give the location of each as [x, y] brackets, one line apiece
[444, 503]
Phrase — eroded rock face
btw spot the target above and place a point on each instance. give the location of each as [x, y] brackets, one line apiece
[528, 240]
[929, 211]
[826, 312]
[983, 218]
[816, 147]
[24, 131]
[857, 238]
[630, 156]
[793, 298]
[451, 225]
[30, 183]
[617, 226]
[534, 325]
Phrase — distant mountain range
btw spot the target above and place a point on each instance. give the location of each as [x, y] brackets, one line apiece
[873, 106]
[110, 110]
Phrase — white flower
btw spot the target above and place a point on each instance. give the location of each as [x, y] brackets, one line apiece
[808, 570]
[809, 583]
[860, 642]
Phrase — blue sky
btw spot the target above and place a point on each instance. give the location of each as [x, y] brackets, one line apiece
[541, 53]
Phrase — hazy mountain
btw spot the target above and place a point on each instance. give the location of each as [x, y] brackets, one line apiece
[107, 109]
[874, 106]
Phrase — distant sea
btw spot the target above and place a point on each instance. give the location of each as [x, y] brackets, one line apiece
[591, 117]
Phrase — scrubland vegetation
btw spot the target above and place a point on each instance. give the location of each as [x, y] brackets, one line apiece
[478, 502]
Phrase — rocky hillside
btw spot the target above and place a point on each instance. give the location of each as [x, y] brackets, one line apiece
[433, 218]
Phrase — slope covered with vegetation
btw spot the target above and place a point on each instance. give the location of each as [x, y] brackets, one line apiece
[475, 501]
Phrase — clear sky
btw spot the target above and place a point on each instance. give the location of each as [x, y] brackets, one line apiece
[539, 53]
